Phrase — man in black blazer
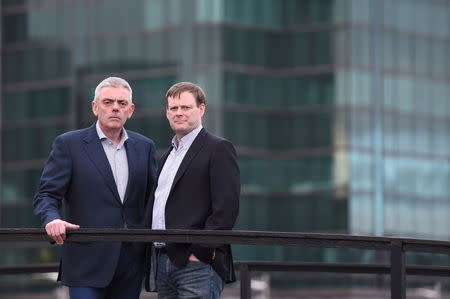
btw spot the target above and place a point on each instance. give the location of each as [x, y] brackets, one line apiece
[198, 186]
[105, 176]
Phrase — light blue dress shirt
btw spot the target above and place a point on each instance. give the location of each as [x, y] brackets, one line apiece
[117, 158]
[166, 177]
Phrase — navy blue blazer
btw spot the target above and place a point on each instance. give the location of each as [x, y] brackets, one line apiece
[205, 196]
[78, 172]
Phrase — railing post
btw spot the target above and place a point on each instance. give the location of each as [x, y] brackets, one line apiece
[246, 290]
[398, 276]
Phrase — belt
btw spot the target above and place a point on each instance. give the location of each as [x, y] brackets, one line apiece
[161, 250]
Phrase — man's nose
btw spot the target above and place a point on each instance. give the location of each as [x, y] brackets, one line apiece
[179, 111]
[115, 105]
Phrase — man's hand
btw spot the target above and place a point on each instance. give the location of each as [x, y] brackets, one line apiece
[193, 258]
[56, 230]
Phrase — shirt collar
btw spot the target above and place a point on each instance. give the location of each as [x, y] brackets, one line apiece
[187, 140]
[102, 135]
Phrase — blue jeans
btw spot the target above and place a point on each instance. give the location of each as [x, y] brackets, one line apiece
[126, 282]
[196, 280]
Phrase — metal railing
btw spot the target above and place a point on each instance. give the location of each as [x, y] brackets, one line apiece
[396, 246]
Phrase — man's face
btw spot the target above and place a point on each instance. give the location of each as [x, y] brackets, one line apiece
[112, 108]
[183, 113]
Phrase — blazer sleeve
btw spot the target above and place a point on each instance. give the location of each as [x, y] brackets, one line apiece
[224, 187]
[54, 182]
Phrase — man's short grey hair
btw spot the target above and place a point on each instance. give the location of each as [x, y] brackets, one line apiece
[113, 82]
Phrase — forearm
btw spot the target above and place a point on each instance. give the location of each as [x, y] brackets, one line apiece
[46, 208]
[55, 180]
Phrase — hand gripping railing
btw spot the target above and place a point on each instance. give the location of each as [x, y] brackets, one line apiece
[396, 246]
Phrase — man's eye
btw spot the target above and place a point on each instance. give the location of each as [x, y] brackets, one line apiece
[107, 102]
[123, 103]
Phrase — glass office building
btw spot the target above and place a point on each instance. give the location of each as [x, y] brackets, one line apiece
[339, 109]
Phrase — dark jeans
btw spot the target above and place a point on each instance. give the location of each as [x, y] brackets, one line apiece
[196, 280]
[126, 282]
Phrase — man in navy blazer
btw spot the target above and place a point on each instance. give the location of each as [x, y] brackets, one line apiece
[105, 175]
[198, 186]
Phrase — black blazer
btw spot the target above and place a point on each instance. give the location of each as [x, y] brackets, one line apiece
[78, 172]
[205, 196]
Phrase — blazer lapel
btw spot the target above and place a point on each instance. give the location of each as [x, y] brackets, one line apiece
[162, 161]
[195, 147]
[132, 160]
[96, 154]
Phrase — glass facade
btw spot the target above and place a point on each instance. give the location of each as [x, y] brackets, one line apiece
[339, 109]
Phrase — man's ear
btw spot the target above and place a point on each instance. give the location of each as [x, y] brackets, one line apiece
[131, 111]
[202, 108]
[94, 108]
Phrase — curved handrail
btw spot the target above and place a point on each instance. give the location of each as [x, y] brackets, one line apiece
[230, 237]
[397, 247]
